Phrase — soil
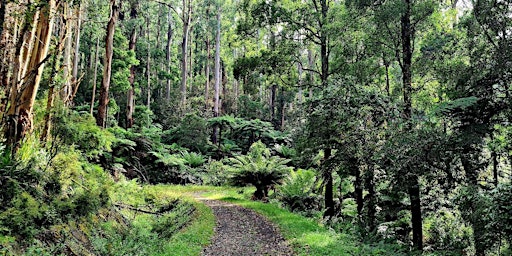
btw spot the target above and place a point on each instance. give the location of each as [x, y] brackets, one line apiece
[241, 231]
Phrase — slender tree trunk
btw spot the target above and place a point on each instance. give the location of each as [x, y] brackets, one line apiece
[51, 91]
[300, 93]
[414, 186]
[324, 54]
[66, 89]
[186, 18]
[130, 100]
[386, 65]
[217, 76]
[76, 58]
[95, 76]
[311, 65]
[224, 81]
[283, 109]
[371, 205]
[190, 62]
[4, 59]
[495, 163]
[3, 5]
[148, 67]
[272, 104]
[207, 74]
[207, 64]
[329, 196]
[358, 186]
[168, 54]
[101, 117]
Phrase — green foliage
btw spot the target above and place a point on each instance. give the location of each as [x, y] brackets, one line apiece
[191, 133]
[216, 173]
[488, 213]
[447, 232]
[247, 132]
[298, 191]
[142, 116]
[258, 168]
[80, 129]
[40, 191]
[285, 151]
[193, 159]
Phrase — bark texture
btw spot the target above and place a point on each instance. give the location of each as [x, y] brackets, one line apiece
[101, 117]
[24, 89]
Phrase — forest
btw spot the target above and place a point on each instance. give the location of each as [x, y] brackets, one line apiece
[379, 127]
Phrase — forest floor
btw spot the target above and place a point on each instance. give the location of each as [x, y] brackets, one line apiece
[240, 231]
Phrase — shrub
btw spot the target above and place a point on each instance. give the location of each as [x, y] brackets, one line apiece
[80, 129]
[446, 231]
[215, 174]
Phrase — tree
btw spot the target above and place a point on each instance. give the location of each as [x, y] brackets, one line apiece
[25, 84]
[217, 77]
[101, 116]
[130, 99]
[258, 168]
[186, 18]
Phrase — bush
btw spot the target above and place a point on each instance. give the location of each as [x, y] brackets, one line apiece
[215, 174]
[446, 232]
[80, 129]
[191, 133]
[39, 191]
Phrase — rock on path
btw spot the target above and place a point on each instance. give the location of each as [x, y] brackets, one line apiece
[240, 231]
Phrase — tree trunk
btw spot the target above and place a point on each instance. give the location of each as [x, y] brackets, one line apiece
[217, 76]
[414, 186]
[95, 76]
[311, 65]
[51, 93]
[65, 93]
[4, 59]
[168, 54]
[130, 101]
[101, 117]
[386, 65]
[272, 104]
[324, 54]
[148, 67]
[300, 93]
[20, 118]
[358, 186]
[371, 203]
[74, 78]
[416, 218]
[260, 192]
[207, 64]
[3, 5]
[186, 18]
[329, 197]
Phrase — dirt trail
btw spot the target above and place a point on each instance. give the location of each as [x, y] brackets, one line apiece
[240, 231]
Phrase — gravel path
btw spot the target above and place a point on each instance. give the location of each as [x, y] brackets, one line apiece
[240, 231]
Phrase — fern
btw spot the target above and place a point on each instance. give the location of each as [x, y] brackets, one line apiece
[193, 159]
[258, 168]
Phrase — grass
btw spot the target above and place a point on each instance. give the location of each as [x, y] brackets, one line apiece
[306, 236]
[193, 238]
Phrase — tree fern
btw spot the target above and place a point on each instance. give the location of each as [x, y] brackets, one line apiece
[258, 168]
